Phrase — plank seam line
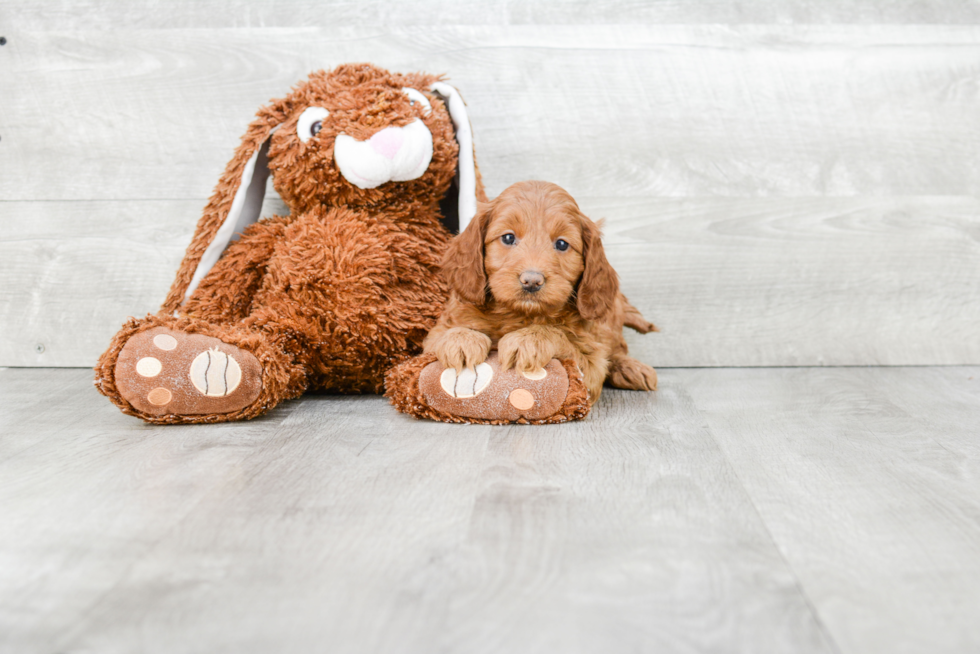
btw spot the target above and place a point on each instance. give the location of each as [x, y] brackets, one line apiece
[755, 509]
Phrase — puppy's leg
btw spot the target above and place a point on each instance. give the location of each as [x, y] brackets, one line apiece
[458, 347]
[531, 348]
[628, 373]
[593, 374]
[633, 319]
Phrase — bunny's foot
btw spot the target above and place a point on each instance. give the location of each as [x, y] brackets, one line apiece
[163, 371]
[487, 394]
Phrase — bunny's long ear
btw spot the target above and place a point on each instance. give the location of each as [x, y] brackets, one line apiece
[468, 186]
[235, 204]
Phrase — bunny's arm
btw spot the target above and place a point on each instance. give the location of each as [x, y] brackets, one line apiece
[226, 293]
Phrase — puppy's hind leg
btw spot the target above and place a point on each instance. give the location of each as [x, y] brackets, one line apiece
[632, 375]
[633, 319]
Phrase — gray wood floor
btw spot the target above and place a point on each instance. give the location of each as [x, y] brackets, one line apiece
[735, 510]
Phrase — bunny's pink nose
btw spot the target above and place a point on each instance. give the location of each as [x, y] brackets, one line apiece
[387, 142]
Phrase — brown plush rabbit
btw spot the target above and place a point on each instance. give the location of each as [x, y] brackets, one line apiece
[376, 168]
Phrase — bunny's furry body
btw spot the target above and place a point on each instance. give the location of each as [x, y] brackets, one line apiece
[347, 285]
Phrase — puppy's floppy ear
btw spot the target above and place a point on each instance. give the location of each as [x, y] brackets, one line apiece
[462, 265]
[235, 204]
[599, 286]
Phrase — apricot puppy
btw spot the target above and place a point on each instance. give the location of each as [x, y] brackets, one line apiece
[529, 277]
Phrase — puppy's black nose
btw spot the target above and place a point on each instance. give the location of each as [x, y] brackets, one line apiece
[532, 281]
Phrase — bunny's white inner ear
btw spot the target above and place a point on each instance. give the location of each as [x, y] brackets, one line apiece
[246, 208]
[466, 168]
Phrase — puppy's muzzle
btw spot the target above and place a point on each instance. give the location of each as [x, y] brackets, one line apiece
[532, 281]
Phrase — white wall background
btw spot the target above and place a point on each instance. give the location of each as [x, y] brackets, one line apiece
[786, 182]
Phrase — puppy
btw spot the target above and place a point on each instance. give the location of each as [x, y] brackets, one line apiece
[529, 277]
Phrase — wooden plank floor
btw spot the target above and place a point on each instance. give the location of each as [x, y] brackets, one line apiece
[735, 510]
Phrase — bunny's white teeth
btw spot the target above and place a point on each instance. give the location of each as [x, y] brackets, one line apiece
[394, 154]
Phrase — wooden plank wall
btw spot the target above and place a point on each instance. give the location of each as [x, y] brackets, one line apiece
[785, 183]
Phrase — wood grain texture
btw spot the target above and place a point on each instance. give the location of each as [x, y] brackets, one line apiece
[777, 194]
[336, 524]
[119, 493]
[740, 111]
[867, 480]
[73, 272]
[731, 282]
[627, 532]
[114, 14]
[834, 281]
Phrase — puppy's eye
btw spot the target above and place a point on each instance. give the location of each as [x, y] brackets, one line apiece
[508, 239]
[561, 245]
[310, 122]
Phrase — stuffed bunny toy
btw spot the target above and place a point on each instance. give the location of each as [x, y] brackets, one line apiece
[377, 170]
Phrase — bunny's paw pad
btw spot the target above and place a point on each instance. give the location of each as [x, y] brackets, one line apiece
[162, 371]
[489, 393]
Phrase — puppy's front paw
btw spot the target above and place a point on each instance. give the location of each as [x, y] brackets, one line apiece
[524, 351]
[461, 347]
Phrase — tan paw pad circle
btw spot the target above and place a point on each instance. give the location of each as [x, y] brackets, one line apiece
[165, 342]
[159, 396]
[149, 367]
[468, 382]
[215, 373]
[521, 399]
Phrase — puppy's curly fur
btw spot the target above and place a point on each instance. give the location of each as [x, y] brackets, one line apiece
[529, 277]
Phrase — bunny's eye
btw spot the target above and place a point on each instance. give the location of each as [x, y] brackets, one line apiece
[508, 239]
[416, 99]
[561, 245]
[310, 122]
